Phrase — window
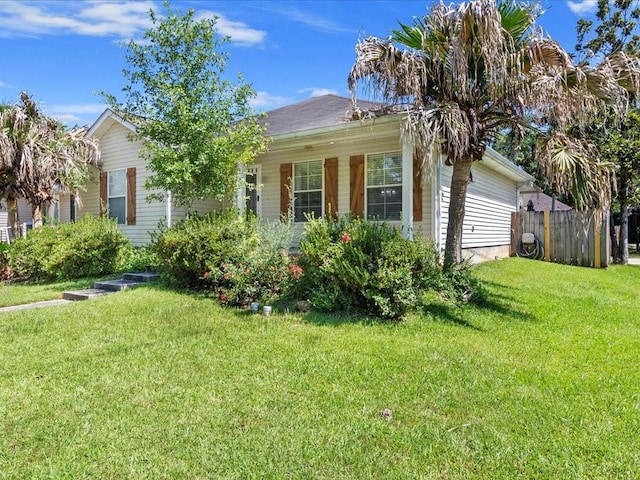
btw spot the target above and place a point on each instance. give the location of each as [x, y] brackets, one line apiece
[307, 190]
[384, 186]
[117, 195]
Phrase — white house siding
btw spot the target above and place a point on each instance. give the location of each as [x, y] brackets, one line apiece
[271, 161]
[118, 152]
[490, 201]
[24, 211]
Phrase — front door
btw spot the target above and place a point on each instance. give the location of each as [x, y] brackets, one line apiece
[253, 186]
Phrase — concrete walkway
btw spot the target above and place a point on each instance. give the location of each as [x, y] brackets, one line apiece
[26, 306]
[128, 280]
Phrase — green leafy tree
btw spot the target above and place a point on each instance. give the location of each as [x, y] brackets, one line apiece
[39, 156]
[616, 32]
[196, 126]
[465, 73]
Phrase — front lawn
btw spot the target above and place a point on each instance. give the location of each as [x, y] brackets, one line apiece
[541, 382]
[19, 293]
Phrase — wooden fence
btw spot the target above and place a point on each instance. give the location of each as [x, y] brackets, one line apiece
[568, 237]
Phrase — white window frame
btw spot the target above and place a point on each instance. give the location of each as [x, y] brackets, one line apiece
[109, 196]
[390, 185]
[295, 192]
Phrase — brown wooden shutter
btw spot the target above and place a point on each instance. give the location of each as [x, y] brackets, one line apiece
[356, 185]
[417, 188]
[131, 196]
[331, 187]
[286, 172]
[103, 194]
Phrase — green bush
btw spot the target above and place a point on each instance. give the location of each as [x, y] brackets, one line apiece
[238, 259]
[365, 266]
[90, 247]
[261, 274]
[190, 247]
[5, 271]
[139, 259]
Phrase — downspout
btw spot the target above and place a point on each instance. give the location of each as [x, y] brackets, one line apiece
[169, 205]
[436, 192]
[240, 190]
[407, 188]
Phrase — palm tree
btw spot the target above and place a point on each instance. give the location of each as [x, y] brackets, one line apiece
[468, 72]
[38, 156]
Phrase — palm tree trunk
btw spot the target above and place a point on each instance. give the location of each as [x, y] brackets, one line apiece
[458, 197]
[36, 214]
[14, 218]
[624, 232]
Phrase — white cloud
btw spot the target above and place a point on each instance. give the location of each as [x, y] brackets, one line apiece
[2, 84]
[97, 19]
[265, 101]
[318, 92]
[68, 119]
[78, 114]
[239, 32]
[312, 20]
[585, 6]
[120, 19]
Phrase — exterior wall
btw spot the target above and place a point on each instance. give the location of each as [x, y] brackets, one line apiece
[118, 152]
[271, 161]
[491, 197]
[24, 211]
[65, 208]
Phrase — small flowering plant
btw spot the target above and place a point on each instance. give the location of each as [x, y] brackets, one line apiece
[345, 237]
[295, 271]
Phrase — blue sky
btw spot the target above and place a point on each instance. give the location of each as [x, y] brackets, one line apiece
[62, 52]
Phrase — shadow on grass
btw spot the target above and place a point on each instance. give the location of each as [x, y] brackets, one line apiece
[340, 319]
[447, 313]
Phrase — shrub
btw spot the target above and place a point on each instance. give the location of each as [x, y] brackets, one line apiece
[262, 274]
[139, 259]
[90, 247]
[5, 271]
[366, 266]
[190, 247]
[238, 259]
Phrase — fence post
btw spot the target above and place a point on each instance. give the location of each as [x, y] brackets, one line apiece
[514, 234]
[547, 237]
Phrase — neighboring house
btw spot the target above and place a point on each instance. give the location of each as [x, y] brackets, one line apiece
[62, 209]
[540, 202]
[320, 161]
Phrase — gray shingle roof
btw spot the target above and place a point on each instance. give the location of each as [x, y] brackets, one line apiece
[317, 112]
[542, 202]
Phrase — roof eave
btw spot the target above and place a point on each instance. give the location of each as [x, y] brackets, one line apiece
[104, 121]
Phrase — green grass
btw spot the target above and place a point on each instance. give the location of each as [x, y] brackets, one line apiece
[540, 382]
[19, 293]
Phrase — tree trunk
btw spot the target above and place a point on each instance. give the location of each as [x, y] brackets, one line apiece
[615, 246]
[458, 196]
[14, 218]
[36, 214]
[624, 232]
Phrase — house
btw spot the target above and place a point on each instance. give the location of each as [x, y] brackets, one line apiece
[322, 161]
[540, 202]
[364, 167]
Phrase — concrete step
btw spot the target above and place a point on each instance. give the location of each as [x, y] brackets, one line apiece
[141, 277]
[116, 285]
[86, 294]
